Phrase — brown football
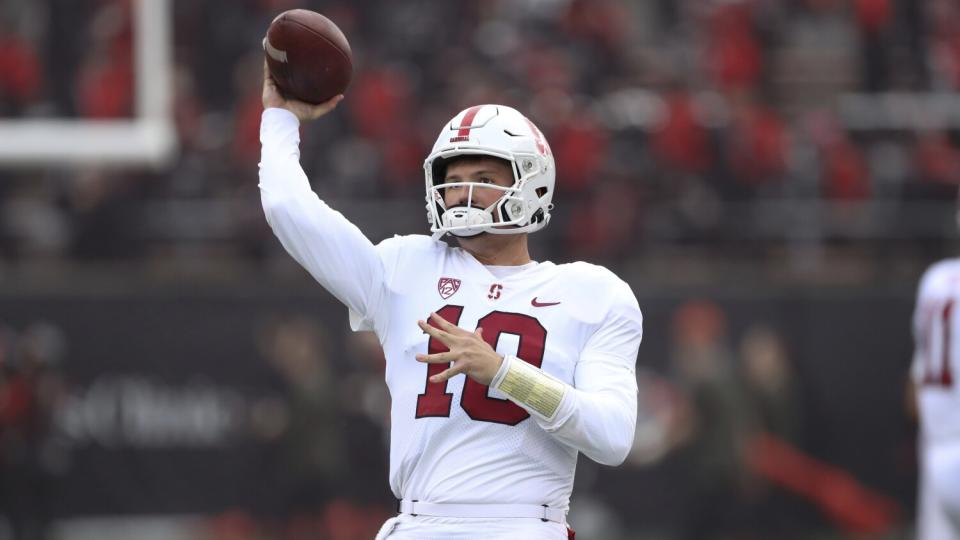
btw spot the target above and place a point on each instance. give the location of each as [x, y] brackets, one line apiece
[308, 56]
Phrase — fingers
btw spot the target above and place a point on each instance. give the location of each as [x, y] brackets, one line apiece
[445, 324]
[441, 322]
[267, 77]
[433, 331]
[437, 358]
[447, 374]
[316, 111]
[271, 95]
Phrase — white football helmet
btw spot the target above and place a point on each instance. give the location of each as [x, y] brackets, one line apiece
[501, 132]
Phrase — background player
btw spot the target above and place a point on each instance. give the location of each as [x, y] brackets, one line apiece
[936, 326]
[557, 343]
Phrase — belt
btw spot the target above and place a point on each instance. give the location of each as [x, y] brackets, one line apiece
[479, 510]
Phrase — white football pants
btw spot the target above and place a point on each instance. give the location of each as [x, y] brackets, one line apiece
[938, 517]
[407, 527]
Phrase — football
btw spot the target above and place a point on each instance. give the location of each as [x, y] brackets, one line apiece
[308, 56]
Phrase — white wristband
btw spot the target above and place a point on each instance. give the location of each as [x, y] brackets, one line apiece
[530, 387]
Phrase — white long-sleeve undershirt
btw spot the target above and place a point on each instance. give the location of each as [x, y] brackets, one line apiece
[322, 240]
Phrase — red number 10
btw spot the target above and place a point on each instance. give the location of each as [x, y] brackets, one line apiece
[436, 401]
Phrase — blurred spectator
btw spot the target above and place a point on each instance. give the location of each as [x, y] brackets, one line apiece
[603, 23]
[875, 18]
[844, 174]
[937, 161]
[232, 525]
[604, 226]
[381, 108]
[770, 384]
[932, 168]
[945, 43]
[757, 145]
[20, 73]
[311, 444]
[733, 56]
[680, 142]
[330, 485]
[365, 380]
[187, 110]
[246, 130]
[33, 224]
[31, 388]
[579, 145]
[105, 81]
[715, 480]
[104, 208]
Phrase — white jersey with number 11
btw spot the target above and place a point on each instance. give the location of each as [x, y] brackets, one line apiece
[936, 361]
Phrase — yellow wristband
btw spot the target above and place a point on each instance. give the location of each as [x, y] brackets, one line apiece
[530, 387]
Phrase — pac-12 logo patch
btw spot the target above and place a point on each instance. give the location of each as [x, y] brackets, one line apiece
[447, 287]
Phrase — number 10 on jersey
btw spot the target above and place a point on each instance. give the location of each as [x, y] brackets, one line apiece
[436, 401]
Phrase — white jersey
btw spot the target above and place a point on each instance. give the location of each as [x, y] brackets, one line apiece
[459, 441]
[936, 326]
[936, 360]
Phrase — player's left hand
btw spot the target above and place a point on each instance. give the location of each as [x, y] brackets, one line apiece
[469, 353]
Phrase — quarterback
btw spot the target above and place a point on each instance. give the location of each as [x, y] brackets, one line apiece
[500, 369]
[936, 378]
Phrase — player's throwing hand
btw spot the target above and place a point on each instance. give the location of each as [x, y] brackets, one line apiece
[469, 353]
[304, 111]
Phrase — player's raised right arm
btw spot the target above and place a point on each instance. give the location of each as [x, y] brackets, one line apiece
[323, 241]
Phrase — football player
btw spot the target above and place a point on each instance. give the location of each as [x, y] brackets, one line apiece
[935, 372]
[501, 369]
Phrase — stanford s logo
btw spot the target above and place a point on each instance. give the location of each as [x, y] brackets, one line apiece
[447, 287]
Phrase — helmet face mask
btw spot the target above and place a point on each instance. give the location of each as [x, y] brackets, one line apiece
[469, 219]
[499, 132]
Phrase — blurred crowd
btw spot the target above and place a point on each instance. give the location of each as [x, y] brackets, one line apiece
[716, 123]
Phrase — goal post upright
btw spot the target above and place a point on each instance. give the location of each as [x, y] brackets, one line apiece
[149, 138]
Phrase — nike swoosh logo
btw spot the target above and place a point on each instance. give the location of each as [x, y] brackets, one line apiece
[534, 303]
